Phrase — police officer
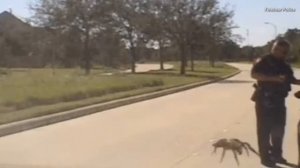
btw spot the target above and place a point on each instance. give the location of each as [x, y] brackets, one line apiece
[274, 78]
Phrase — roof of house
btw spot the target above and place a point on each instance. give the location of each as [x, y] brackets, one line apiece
[9, 22]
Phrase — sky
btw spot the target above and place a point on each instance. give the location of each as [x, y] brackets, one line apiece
[249, 15]
[19, 8]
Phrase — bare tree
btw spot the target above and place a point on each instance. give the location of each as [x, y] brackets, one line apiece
[152, 27]
[221, 24]
[187, 23]
[64, 15]
[125, 17]
[183, 20]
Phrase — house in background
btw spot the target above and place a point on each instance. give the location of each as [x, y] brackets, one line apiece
[17, 42]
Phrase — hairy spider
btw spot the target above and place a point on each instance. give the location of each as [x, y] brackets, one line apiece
[235, 145]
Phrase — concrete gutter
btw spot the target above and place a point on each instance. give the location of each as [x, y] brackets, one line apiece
[28, 124]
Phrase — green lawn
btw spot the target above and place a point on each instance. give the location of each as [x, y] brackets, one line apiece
[28, 93]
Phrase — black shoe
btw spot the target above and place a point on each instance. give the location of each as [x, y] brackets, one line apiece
[269, 163]
[279, 160]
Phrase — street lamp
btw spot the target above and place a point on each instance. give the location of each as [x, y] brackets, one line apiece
[274, 26]
[248, 36]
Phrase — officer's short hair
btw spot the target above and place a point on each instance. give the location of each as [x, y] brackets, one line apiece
[282, 43]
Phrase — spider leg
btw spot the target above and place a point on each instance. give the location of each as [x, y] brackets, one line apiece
[236, 157]
[251, 148]
[223, 155]
[246, 149]
[214, 151]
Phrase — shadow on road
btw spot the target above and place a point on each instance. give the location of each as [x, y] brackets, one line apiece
[236, 81]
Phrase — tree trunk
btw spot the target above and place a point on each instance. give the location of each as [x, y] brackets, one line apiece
[132, 57]
[213, 49]
[161, 57]
[192, 58]
[132, 52]
[53, 60]
[87, 56]
[212, 60]
[186, 61]
[212, 56]
[183, 59]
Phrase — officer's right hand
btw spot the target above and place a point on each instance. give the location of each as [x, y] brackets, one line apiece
[280, 78]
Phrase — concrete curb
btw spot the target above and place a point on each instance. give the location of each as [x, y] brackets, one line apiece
[24, 125]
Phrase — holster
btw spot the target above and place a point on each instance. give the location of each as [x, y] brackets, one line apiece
[270, 97]
[257, 93]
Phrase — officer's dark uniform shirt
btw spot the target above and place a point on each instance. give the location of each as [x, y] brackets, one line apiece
[271, 66]
[270, 107]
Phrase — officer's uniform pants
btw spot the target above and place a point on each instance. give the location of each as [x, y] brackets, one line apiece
[271, 120]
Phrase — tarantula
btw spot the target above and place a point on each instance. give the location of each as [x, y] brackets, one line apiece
[235, 145]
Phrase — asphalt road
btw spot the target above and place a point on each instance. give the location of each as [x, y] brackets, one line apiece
[174, 131]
